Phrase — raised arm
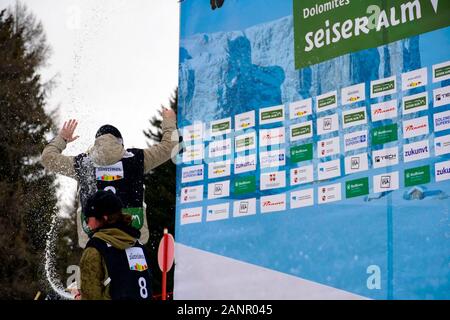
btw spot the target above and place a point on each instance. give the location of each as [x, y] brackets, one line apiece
[52, 158]
[163, 151]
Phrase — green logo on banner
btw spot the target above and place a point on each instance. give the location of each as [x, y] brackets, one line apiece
[353, 117]
[302, 153]
[384, 86]
[268, 115]
[221, 126]
[356, 188]
[384, 134]
[416, 176]
[415, 103]
[247, 141]
[326, 101]
[244, 185]
[325, 29]
[441, 72]
[300, 131]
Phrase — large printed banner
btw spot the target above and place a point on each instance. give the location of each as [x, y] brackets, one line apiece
[316, 160]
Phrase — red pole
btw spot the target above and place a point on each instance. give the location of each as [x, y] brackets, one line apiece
[164, 274]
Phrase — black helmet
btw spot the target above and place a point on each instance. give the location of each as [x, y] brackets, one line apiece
[103, 203]
[107, 128]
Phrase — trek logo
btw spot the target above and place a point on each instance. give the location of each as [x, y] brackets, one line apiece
[110, 173]
[300, 109]
[415, 127]
[191, 174]
[441, 96]
[218, 212]
[384, 110]
[245, 207]
[273, 203]
[191, 215]
[442, 171]
[414, 79]
[416, 151]
[442, 121]
[385, 157]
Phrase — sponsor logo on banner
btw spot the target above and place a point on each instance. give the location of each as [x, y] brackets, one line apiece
[329, 169]
[220, 127]
[191, 174]
[193, 152]
[384, 110]
[217, 212]
[300, 131]
[385, 182]
[383, 87]
[245, 163]
[302, 198]
[356, 163]
[219, 148]
[442, 121]
[273, 180]
[385, 157]
[326, 101]
[416, 151]
[441, 96]
[384, 134]
[355, 140]
[303, 152]
[300, 109]
[415, 127]
[328, 147]
[328, 124]
[330, 193]
[191, 194]
[354, 117]
[271, 114]
[268, 137]
[414, 79]
[441, 71]
[191, 215]
[442, 171]
[245, 120]
[110, 173]
[245, 207]
[273, 203]
[193, 132]
[243, 185]
[416, 176]
[245, 142]
[415, 103]
[219, 189]
[353, 94]
[302, 175]
[442, 145]
[274, 158]
[219, 169]
[356, 188]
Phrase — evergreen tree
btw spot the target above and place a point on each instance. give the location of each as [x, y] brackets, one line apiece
[160, 198]
[27, 193]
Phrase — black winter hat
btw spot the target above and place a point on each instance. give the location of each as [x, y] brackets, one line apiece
[103, 203]
[107, 128]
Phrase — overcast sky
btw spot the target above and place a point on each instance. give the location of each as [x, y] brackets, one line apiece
[116, 62]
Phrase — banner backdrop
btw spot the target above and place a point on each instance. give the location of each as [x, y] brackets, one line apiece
[317, 150]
